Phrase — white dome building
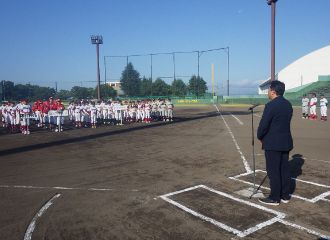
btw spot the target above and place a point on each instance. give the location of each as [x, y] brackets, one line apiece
[305, 70]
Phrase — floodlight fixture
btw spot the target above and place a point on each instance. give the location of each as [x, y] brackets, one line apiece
[269, 2]
[97, 39]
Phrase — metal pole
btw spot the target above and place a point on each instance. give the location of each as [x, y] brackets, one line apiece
[151, 73]
[98, 72]
[228, 71]
[173, 66]
[198, 63]
[105, 70]
[253, 154]
[273, 4]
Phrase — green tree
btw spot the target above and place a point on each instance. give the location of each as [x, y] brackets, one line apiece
[21, 91]
[146, 87]
[160, 88]
[7, 90]
[197, 86]
[63, 94]
[130, 81]
[37, 92]
[81, 92]
[179, 88]
[106, 91]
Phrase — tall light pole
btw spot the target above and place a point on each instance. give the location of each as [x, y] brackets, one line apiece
[272, 3]
[227, 48]
[97, 39]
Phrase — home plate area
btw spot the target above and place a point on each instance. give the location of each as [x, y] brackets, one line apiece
[237, 216]
[305, 190]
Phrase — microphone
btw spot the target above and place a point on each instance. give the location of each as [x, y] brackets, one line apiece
[253, 106]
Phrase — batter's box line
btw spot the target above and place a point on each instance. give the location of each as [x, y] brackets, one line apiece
[239, 233]
[278, 218]
[322, 196]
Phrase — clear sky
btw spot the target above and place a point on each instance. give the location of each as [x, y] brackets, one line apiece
[44, 41]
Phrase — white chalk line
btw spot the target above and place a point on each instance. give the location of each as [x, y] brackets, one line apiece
[237, 119]
[246, 164]
[296, 179]
[303, 228]
[66, 188]
[314, 159]
[239, 233]
[313, 200]
[32, 225]
[278, 218]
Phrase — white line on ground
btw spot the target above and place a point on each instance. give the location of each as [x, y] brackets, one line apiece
[32, 225]
[296, 179]
[246, 164]
[303, 228]
[63, 188]
[239, 233]
[313, 200]
[237, 119]
[314, 159]
[278, 218]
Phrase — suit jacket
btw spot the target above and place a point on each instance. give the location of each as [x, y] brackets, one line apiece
[274, 128]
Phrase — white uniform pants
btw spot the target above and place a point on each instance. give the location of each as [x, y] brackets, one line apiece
[312, 110]
[323, 110]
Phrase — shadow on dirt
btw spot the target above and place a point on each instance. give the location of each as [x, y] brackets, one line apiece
[111, 132]
[295, 165]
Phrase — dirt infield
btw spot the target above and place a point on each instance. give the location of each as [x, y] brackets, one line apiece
[161, 181]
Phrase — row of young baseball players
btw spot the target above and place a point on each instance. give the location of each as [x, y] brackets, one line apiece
[51, 114]
[309, 107]
[117, 112]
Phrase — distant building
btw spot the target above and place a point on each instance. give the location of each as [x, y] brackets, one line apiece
[117, 87]
[305, 70]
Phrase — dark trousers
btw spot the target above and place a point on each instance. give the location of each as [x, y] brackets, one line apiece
[277, 166]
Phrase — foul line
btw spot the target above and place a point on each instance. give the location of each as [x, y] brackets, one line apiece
[32, 225]
[246, 164]
[64, 188]
[237, 119]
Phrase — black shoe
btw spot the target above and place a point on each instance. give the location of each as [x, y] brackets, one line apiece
[269, 201]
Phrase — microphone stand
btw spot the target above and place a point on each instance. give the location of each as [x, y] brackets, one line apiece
[253, 153]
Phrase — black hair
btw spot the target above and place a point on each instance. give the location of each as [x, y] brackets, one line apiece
[278, 87]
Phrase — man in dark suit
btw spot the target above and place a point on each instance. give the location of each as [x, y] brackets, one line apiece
[275, 134]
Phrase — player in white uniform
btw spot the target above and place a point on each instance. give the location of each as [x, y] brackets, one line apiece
[71, 111]
[312, 108]
[93, 111]
[304, 106]
[2, 113]
[170, 108]
[25, 111]
[77, 115]
[323, 108]
[147, 110]
[163, 112]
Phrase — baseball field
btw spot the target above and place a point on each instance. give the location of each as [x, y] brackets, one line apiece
[188, 179]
